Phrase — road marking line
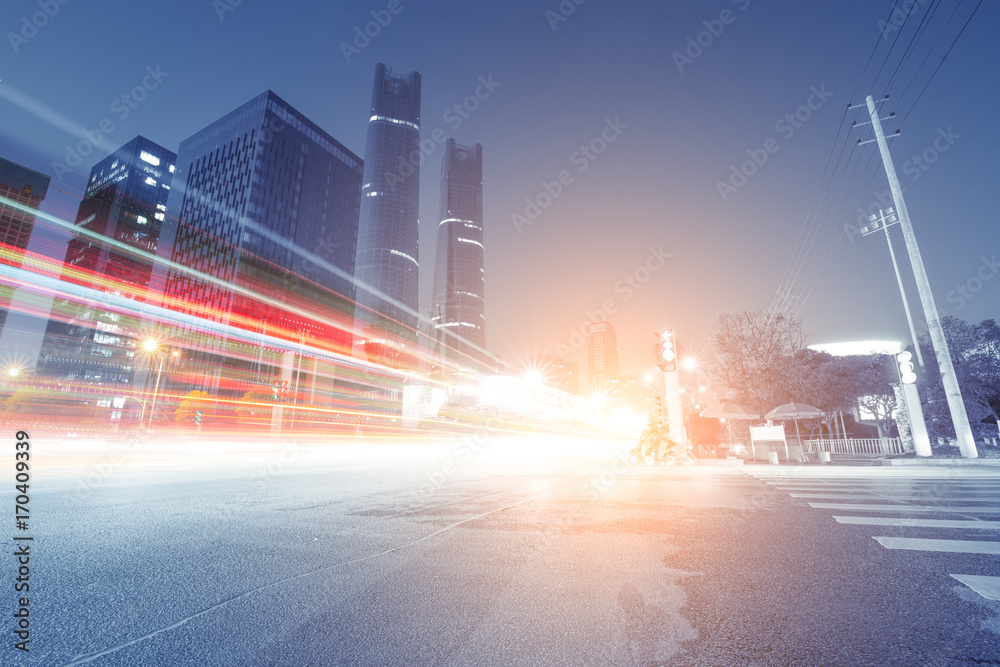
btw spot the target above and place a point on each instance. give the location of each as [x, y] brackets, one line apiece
[852, 507]
[80, 659]
[964, 488]
[988, 587]
[889, 496]
[947, 546]
[918, 523]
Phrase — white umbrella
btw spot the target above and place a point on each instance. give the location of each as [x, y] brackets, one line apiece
[729, 410]
[795, 412]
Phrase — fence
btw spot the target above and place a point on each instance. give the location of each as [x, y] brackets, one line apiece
[869, 446]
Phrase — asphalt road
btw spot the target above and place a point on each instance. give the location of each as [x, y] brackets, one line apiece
[521, 554]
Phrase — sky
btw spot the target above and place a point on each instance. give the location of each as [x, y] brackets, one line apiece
[614, 135]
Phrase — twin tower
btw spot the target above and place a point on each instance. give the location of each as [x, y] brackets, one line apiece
[387, 260]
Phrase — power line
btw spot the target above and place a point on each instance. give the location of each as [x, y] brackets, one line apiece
[814, 249]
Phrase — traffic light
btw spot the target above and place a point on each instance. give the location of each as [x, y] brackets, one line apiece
[667, 351]
[197, 416]
[906, 374]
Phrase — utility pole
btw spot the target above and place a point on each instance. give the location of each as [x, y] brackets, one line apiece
[953, 393]
[884, 219]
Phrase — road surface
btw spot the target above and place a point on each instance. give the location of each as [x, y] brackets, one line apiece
[528, 555]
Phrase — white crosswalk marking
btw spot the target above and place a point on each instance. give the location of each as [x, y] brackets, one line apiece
[918, 523]
[988, 587]
[965, 509]
[870, 497]
[880, 495]
[948, 546]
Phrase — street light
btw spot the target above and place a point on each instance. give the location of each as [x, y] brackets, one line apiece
[152, 345]
[886, 219]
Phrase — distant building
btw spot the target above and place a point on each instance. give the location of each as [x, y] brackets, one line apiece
[122, 211]
[458, 308]
[388, 234]
[602, 353]
[632, 392]
[559, 373]
[263, 215]
[19, 186]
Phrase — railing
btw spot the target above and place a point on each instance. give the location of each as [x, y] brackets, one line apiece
[870, 446]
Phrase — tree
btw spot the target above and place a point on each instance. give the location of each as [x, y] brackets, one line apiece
[872, 377]
[192, 408]
[255, 408]
[23, 401]
[975, 353]
[755, 356]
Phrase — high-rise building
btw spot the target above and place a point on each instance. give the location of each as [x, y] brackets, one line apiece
[602, 353]
[559, 373]
[116, 232]
[261, 223]
[458, 308]
[387, 268]
[630, 391]
[19, 187]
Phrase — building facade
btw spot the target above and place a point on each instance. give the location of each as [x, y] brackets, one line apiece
[602, 353]
[458, 307]
[387, 270]
[20, 188]
[115, 238]
[559, 373]
[260, 236]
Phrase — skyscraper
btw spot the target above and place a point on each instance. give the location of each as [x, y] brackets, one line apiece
[19, 186]
[387, 257]
[458, 308]
[263, 215]
[602, 354]
[122, 211]
[559, 373]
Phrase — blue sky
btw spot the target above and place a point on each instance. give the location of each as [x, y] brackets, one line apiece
[555, 86]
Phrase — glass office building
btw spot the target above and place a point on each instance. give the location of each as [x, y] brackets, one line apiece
[458, 308]
[602, 353]
[387, 254]
[262, 222]
[19, 186]
[115, 237]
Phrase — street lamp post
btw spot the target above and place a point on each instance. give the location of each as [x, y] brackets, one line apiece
[886, 219]
[152, 345]
[156, 391]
